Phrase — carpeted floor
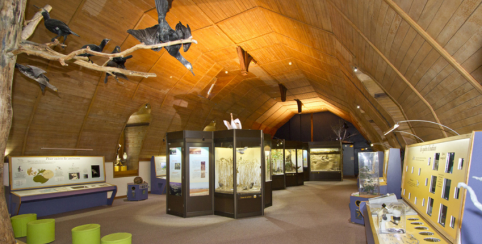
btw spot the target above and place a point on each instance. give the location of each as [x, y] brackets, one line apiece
[314, 213]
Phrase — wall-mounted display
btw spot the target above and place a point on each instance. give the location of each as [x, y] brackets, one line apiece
[368, 173]
[190, 173]
[239, 180]
[325, 159]
[29, 172]
[161, 165]
[198, 171]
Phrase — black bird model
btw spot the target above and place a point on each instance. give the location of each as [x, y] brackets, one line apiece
[162, 33]
[95, 48]
[36, 74]
[118, 62]
[56, 26]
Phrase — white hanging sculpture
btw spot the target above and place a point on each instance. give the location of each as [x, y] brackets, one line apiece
[235, 124]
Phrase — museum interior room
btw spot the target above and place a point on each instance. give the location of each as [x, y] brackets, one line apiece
[241, 121]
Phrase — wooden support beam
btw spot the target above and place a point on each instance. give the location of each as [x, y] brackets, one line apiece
[244, 60]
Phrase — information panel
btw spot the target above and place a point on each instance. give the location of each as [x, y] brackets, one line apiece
[198, 171]
[175, 171]
[161, 166]
[40, 172]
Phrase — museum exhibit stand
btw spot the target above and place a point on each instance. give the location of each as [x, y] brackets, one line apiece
[306, 160]
[299, 165]
[190, 172]
[158, 175]
[325, 161]
[48, 185]
[438, 208]
[278, 164]
[268, 190]
[291, 165]
[240, 173]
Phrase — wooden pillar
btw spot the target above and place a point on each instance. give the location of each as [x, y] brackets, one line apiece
[12, 15]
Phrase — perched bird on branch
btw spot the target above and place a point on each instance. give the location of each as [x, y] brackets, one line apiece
[56, 26]
[162, 33]
[36, 74]
[95, 48]
[118, 62]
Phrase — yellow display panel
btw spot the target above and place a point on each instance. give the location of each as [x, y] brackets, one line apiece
[430, 176]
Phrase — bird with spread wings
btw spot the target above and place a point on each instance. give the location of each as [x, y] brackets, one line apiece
[162, 33]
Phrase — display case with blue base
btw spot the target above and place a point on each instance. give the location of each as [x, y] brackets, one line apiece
[158, 175]
[291, 164]
[278, 164]
[137, 192]
[306, 161]
[356, 215]
[325, 161]
[268, 190]
[52, 185]
[190, 173]
[391, 182]
[239, 173]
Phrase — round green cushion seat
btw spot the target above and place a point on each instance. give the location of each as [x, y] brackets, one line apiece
[41, 231]
[86, 234]
[117, 238]
[19, 224]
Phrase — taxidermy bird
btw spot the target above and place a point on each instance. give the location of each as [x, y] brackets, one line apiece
[36, 74]
[118, 62]
[300, 104]
[241, 150]
[162, 33]
[94, 48]
[56, 26]
[235, 124]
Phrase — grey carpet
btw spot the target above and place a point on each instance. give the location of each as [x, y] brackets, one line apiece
[314, 213]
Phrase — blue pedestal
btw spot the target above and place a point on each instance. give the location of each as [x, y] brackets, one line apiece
[137, 192]
[356, 215]
[158, 184]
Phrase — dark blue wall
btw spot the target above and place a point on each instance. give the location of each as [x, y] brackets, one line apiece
[298, 128]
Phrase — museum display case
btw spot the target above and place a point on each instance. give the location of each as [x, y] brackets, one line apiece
[158, 174]
[306, 159]
[55, 184]
[432, 179]
[239, 173]
[299, 164]
[325, 161]
[268, 192]
[291, 165]
[368, 180]
[278, 164]
[190, 173]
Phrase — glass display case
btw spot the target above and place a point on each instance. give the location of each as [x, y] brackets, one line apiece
[239, 173]
[190, 180]
[325, 161]
[306, 165]
[368, 173]
[291, 163]
[268, 196]
[278, 164]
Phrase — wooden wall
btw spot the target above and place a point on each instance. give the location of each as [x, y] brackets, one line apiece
[423, 54]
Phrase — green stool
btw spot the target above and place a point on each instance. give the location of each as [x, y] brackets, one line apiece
[86, 234]
[41, 231]
[117, 238]
[19, 224]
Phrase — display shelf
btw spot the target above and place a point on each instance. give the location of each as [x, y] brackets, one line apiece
[240, 173]
[325, 161]
[158, 175]
[278, 164]
[190, 173]
[268, 190]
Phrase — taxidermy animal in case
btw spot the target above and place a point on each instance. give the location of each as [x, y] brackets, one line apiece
[162, 33]
[56, 26]
[36, 74]
[235, 124]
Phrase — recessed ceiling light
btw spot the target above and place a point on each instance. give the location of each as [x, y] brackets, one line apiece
[170, 77]
[358, 106]
[355, 69]
[289, 63]
[226, 72]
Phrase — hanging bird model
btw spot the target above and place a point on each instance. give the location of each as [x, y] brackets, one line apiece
[56, 26]
[235, 123]
[36, 74]
[118, 62]
[95, 48]
[162, 33]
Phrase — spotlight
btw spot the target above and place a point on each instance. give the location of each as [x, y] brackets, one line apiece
[226, 72]
[289, 63]
[358, 106]
[355, 69]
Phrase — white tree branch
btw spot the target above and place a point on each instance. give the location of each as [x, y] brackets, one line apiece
[31, 25]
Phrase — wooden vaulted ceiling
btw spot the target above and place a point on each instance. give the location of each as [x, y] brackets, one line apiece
[422, 58]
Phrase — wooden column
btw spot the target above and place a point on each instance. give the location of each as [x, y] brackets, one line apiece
[12, 15]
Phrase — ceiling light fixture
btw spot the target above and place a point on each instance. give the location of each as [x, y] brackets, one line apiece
[289, 63]
[226, 72]
[355, 69]
[170, 77]
[358, 106]
[426, 121]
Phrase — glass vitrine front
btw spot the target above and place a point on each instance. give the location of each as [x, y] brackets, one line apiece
[325, 159]
[368, 175]
[224, 164]
[299, 166]
[290, 161]
[248, 169]
[277, 159]
[267, 157]
[305, 158]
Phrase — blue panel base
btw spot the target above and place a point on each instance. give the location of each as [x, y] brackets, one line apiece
[383, 190]
[137, 192]
[158, 186]
[355, 214]
[64, 204]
